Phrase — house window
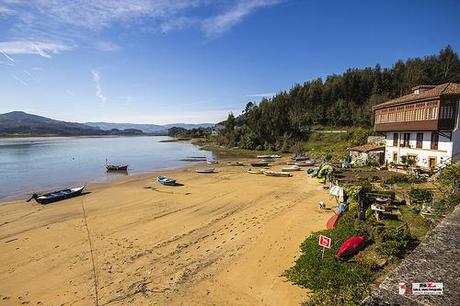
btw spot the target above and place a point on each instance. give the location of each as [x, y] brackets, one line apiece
[405, 140]
[419, 140]
[395, 139]
[434, 140]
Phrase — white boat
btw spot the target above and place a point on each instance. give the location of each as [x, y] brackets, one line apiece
[269, 156]
[207, 170]
[291, 169]
[212, 162]
[278, 174]
[256, 171]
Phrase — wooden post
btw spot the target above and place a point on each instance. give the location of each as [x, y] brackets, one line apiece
[322, 254]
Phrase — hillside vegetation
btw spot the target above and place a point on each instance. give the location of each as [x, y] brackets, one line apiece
[343, 100]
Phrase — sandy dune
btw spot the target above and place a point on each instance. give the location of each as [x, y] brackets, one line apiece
[221, 239]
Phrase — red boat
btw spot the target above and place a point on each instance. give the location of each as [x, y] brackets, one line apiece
[351, 246]
[332, 222]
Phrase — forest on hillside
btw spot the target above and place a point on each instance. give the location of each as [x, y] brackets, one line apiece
[343, 100]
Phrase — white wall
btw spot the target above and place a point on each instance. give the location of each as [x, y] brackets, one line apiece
[443, 153]
[456, 135]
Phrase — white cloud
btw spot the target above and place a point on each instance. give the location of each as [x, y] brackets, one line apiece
[97, 82]
[6, 11]
[217, 25]
[107, 46]
[44, 49]
[69, 20]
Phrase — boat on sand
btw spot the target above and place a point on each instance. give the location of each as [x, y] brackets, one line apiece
[57, 195]
[256, 171]
[166, 181]
[207, 170]
[260, 164]
[291, 169]
[235, 163]
[276, 173]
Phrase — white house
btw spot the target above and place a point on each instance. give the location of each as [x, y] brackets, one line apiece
[423, 126]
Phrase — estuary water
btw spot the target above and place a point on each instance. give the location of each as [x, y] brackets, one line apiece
[38, 165]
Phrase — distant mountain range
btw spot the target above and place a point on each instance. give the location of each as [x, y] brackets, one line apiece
[19, 123]
[146, 128]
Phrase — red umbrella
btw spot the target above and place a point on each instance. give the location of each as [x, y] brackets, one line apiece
[351, 246]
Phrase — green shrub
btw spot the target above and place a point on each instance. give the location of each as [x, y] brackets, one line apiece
[421, 195]
[392, 242]
[374, 178]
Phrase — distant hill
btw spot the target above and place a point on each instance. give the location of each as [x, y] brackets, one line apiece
[21, 123]
[146, 128]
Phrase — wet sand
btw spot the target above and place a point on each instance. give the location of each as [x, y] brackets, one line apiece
[220, 239]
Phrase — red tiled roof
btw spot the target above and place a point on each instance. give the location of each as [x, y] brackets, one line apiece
[435, 92]
[367, 147]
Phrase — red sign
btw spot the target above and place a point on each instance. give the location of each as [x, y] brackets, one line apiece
[324, 241]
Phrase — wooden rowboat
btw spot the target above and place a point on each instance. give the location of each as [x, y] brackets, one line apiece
[57, 195]
[256, 171]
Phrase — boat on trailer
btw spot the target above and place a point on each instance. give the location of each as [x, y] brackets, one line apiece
[57, 195]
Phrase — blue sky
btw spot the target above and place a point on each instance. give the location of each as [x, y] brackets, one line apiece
[164, 61]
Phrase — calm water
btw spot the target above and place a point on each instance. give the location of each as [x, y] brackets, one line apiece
[28, 166]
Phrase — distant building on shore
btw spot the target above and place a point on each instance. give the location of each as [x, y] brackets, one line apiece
[422, 126]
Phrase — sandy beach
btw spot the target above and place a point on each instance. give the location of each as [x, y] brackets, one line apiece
[220, 239]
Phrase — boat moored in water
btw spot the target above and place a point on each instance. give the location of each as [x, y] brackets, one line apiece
[116, 167]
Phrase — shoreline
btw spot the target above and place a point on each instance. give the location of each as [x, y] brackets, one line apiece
[221, 238]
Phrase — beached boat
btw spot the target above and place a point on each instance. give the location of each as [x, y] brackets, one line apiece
[57, 195]
[300, 158]
[351, 246]
[212, 162]
[208, 170]
[166, 181]
[260, 164]
[116, 167]
[256, 171]
[332, 222]
[275, 173]
[235, 163]
[269, 156]
[291, 169]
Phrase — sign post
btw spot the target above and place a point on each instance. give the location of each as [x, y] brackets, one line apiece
[325, 242]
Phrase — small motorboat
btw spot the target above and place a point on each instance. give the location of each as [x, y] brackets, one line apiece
[208, 170]
[332, 222]
[116, 167]
[57, 195]
[212, 162]
[291, 169]
[260, 164]
[351, 246]
[166, 181]
[278, 174]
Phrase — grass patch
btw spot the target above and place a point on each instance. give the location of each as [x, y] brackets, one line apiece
[333, 281]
